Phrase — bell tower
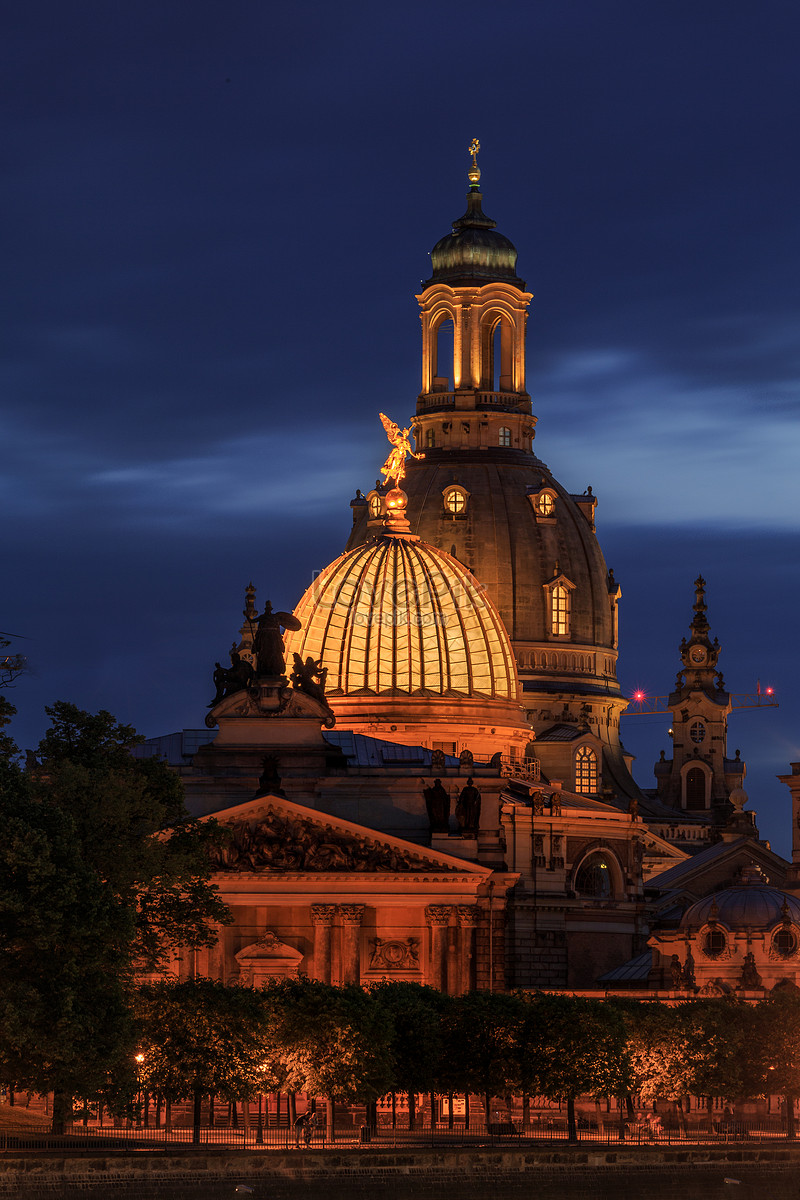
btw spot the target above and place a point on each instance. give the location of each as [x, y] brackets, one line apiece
[474, 311]
[700, 779]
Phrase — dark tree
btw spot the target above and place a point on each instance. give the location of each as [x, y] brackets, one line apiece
[329, 1041]
[101, 874]
[200, 1037]
[580, 1050]
[416, 1015]
[480, 1048]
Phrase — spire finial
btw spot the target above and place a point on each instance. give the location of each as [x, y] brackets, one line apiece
[700, 621]
[474, 173]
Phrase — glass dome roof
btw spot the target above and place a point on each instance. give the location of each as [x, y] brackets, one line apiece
[399, 616]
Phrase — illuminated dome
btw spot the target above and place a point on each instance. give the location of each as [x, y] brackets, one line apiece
[402, 621]
[397, 615]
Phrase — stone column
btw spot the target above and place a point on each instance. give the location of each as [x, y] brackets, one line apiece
[351, 915]
[438, 918]
[322, 919]
[468, 923]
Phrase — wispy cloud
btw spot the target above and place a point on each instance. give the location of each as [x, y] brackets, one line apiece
[666, 448]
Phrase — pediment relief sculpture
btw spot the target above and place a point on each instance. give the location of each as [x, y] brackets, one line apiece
[277, 842]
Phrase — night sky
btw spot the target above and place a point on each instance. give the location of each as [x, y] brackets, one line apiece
[216, 216]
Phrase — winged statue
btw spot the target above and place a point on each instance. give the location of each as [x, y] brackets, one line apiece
[395, 465]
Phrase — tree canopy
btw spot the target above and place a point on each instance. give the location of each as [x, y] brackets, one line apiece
[102, 875]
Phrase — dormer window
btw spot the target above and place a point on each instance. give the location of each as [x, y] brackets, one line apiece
[559, 611]
[559, 605]
[586, 771]
[504, 436]
[543, 504]
[375, 505]
[456, 500]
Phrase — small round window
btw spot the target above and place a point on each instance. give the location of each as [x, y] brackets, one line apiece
[715, 943]
[784, 943]
[546, 504]
[455, 502]
[697, 732]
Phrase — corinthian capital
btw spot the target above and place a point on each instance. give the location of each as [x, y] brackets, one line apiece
[322, 914]
[438, 914]
[351, 914]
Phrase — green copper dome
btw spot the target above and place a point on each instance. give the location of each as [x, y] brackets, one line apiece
[474, 253]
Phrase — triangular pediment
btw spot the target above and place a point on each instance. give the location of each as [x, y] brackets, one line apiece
[716, 867]
[273, 835]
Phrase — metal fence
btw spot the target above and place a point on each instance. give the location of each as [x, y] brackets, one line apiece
[503, 1133]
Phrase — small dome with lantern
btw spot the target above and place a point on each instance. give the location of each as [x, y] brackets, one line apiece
[750, 904]
[474, 252]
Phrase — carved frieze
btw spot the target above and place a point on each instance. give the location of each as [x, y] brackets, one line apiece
[279, 842]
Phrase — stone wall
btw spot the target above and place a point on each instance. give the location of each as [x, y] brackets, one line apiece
[657, 1173]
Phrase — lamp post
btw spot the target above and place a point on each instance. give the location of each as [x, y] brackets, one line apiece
[139, 1059]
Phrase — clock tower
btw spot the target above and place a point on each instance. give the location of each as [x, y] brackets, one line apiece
[700, 780]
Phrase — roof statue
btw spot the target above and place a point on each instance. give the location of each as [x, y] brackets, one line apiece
[395, 465]
[268, 645]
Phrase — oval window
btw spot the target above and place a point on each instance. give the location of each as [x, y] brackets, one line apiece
[715, 943]
[784, 943]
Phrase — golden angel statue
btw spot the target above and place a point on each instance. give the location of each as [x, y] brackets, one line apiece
[395, 465]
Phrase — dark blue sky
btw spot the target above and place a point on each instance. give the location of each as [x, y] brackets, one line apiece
[216, 216]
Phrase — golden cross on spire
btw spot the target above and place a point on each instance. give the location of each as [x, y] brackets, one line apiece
[473, 149]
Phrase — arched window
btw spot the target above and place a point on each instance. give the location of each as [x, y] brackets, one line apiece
[504, 436]
[375, 505]
[559, 611]
[586, 771]
[595, 877]
[545, 505]
[695, 788]
[430, 438]
[697, 732]
[443, 366]
[455, 501]
[497, 352]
